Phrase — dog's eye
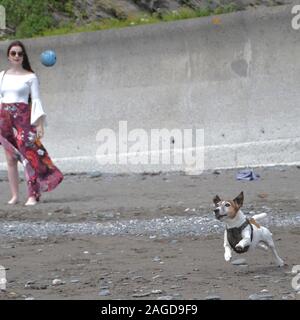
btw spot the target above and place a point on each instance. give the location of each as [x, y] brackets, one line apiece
[227, 204]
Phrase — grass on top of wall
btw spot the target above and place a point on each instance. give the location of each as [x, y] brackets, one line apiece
[134, 20]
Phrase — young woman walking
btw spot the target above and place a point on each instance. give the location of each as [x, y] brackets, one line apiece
[22, 121]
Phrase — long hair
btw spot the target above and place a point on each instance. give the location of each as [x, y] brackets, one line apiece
[25, 64]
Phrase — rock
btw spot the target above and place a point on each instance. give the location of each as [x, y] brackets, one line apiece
[264, 291]
[156, 291]
[141, 294]
[35, 286]
[258, 296]
[95, 174]
[57, 282]
[262, 195]
[156, 259]
[109, 215]
[12, 294]
[212, 297]
[74, 281]
[239, 262]
[290, 296]
[104, 292]
[29, 283]
[165, 298]
[66, 210]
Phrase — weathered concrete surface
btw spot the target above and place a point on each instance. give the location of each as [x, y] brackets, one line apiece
[236, 76]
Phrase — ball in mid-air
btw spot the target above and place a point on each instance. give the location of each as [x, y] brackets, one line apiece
[48, 58]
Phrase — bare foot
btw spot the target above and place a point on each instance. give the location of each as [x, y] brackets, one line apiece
[31, 201]
[13, 200]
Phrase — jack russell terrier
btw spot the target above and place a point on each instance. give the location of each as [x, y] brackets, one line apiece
[242, 233]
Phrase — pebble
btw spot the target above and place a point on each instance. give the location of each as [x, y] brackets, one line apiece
[212, 297]
[165, 298]
[95, 174]
[34, 286]
[264, 291]
[57, 282]
[156, 291]
[74, 281]
[12, 294]
[104, 292]
[290, 296]
[258, 296]
[239, 262]
[156, 259]
[29, 283]
[66, 210]
[109, 215]
[141, 294]
[136, 278]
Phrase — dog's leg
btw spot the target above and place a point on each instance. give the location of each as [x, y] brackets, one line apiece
[246, 241]
[227, 254]
[262, 246]
[269, 240]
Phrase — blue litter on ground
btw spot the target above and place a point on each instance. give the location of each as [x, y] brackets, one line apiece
[247, 175]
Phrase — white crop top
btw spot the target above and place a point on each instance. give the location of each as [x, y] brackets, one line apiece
[16, 88]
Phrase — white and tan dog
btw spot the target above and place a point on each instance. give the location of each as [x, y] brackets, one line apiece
[241, 233]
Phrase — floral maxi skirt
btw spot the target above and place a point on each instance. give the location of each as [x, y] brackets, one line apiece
[19, 139]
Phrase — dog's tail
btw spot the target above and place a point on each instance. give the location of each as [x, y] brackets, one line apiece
[259, 216]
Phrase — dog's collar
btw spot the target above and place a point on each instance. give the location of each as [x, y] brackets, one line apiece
[242, 227]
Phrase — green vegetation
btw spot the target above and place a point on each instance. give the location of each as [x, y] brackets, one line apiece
[31, 18]
[28, 18]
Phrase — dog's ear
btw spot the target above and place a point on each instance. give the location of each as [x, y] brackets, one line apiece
[216, 199]
[239, 200]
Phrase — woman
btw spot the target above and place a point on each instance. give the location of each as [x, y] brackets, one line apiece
[22, 121]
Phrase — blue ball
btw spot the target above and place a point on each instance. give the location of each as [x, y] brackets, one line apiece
[48, 58]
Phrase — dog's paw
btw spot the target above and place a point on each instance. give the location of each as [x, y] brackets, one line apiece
[239, 248]
[227, 256]
[280, 263]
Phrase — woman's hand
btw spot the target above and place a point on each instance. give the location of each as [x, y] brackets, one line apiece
[40, 130]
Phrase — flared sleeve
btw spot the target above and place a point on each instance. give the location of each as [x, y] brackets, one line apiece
[1, 80]
[37, 110]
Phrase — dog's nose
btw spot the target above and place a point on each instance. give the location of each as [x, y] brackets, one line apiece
[217, 210]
